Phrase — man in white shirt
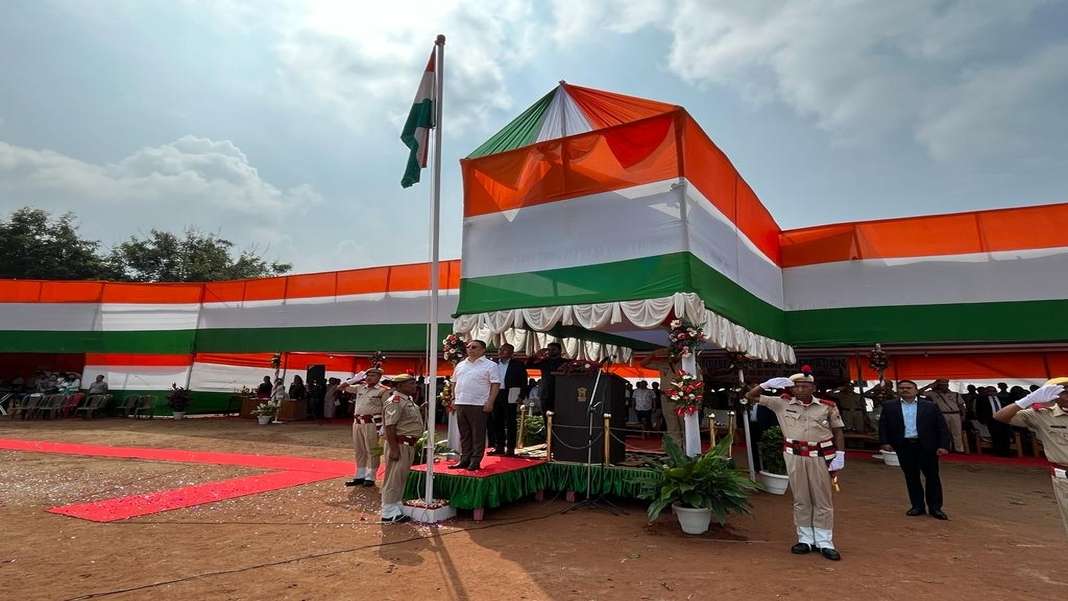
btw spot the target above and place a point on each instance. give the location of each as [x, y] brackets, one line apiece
[477, 380]
[643, 404]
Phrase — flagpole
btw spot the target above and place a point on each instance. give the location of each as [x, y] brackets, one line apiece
[432, 391]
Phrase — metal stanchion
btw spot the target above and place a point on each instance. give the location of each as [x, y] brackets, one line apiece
[731, 426]
[520, 438]
[607, 436]
[712, 430]
[548, 436]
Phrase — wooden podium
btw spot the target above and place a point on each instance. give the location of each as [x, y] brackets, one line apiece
[571, 418]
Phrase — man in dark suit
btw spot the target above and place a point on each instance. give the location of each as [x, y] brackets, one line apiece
[548, 362]
[986, 405]
[915, 429]
[503, 425]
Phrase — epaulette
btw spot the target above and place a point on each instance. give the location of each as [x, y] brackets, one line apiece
[785, 397]
[828, 402]
[393, 398]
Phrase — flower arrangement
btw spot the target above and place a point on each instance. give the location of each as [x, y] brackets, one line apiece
[178, 398]
[377, 359]
[684, 337]
[877, 359]
[422, 504]
[447, 396]
[265, 408]
[687, 393]
[454, 348]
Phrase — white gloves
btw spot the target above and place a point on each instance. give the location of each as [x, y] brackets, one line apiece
[356, 379]
[1042, 395]
[777, 383]
[838, 462]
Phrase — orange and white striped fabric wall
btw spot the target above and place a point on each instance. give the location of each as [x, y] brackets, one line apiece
[987, 276]
[354, 310]
[986, 369]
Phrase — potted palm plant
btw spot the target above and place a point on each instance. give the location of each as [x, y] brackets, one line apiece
[264, 413]
[773, 475]
[698, 488]
[178, 400]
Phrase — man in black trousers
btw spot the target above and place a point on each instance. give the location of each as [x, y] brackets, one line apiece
[513, 375]
[986, 405]
[915, 429]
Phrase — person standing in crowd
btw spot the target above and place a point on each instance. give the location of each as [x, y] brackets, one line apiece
[661, 361]
[554, 358]
[643, 404]
[813, 432]
[99, 386]
[969, 401]
[512, 373]
[369, 397]
[851, 406]
[297, 390]
[986, 407]
[403, 423]
[330, 401]
[477, 380]
[264, 389]
[1003, 394]
[953, 408]
[1045, 412]
[915, 428]
[316, 394]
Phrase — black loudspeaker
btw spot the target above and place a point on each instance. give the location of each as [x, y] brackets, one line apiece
[570, 434]
[315, 372]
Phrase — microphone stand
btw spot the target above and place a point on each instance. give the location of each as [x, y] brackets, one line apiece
[600, 501]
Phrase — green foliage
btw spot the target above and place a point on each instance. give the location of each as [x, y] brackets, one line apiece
[34, 245]
[708, 481]
[196, 257]
[770, 445]
[535, 430]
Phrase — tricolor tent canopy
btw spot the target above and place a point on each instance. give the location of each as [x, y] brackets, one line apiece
[594, 214]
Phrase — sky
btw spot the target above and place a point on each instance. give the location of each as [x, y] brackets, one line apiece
[276, 124]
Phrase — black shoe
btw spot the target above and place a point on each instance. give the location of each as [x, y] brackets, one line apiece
[938, 514]
[473, 468]
[368, 482]
[400, 519]
[914, 512]
[831, 554]
[457, 466]
[355, 482]
[496, 452]
[801, 549]
[509, 453]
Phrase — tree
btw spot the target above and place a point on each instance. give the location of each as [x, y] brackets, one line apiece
[35, 246]
[165, 257]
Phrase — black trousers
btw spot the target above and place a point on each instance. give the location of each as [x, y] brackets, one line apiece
[503, 423]
[1000, 436]
[915, 460]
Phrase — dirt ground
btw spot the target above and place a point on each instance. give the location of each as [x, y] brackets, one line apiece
[321, 541]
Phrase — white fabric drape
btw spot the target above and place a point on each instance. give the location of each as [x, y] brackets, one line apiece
[515, 325]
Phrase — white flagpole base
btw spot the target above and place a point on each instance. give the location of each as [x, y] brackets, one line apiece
[454, 432]
[692, 423]
[429, 516]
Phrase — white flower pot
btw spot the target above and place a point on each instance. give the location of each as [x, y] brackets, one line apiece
[263, 419]
[693, 521]
[890, 458]
[178, 414]
[775, 484]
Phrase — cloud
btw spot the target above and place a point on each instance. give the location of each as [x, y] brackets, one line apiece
[191, 181]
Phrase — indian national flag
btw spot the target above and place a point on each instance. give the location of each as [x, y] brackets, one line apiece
[417, 127]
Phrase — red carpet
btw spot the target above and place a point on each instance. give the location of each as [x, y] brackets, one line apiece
[491, 465]
[289, 471]
[121, 508]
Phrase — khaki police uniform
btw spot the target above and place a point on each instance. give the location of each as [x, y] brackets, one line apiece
[366, 417]
[808, 430]
[1050, 425]
[402, 412]
[953, 409]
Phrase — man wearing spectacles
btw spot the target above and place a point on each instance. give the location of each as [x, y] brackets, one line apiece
[477, 380]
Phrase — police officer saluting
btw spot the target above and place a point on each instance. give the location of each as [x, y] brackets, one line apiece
[813, 431]
[1049, 422]
[366, 420]
[404, 425]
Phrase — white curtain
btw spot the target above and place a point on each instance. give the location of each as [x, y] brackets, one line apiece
[514, 326]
